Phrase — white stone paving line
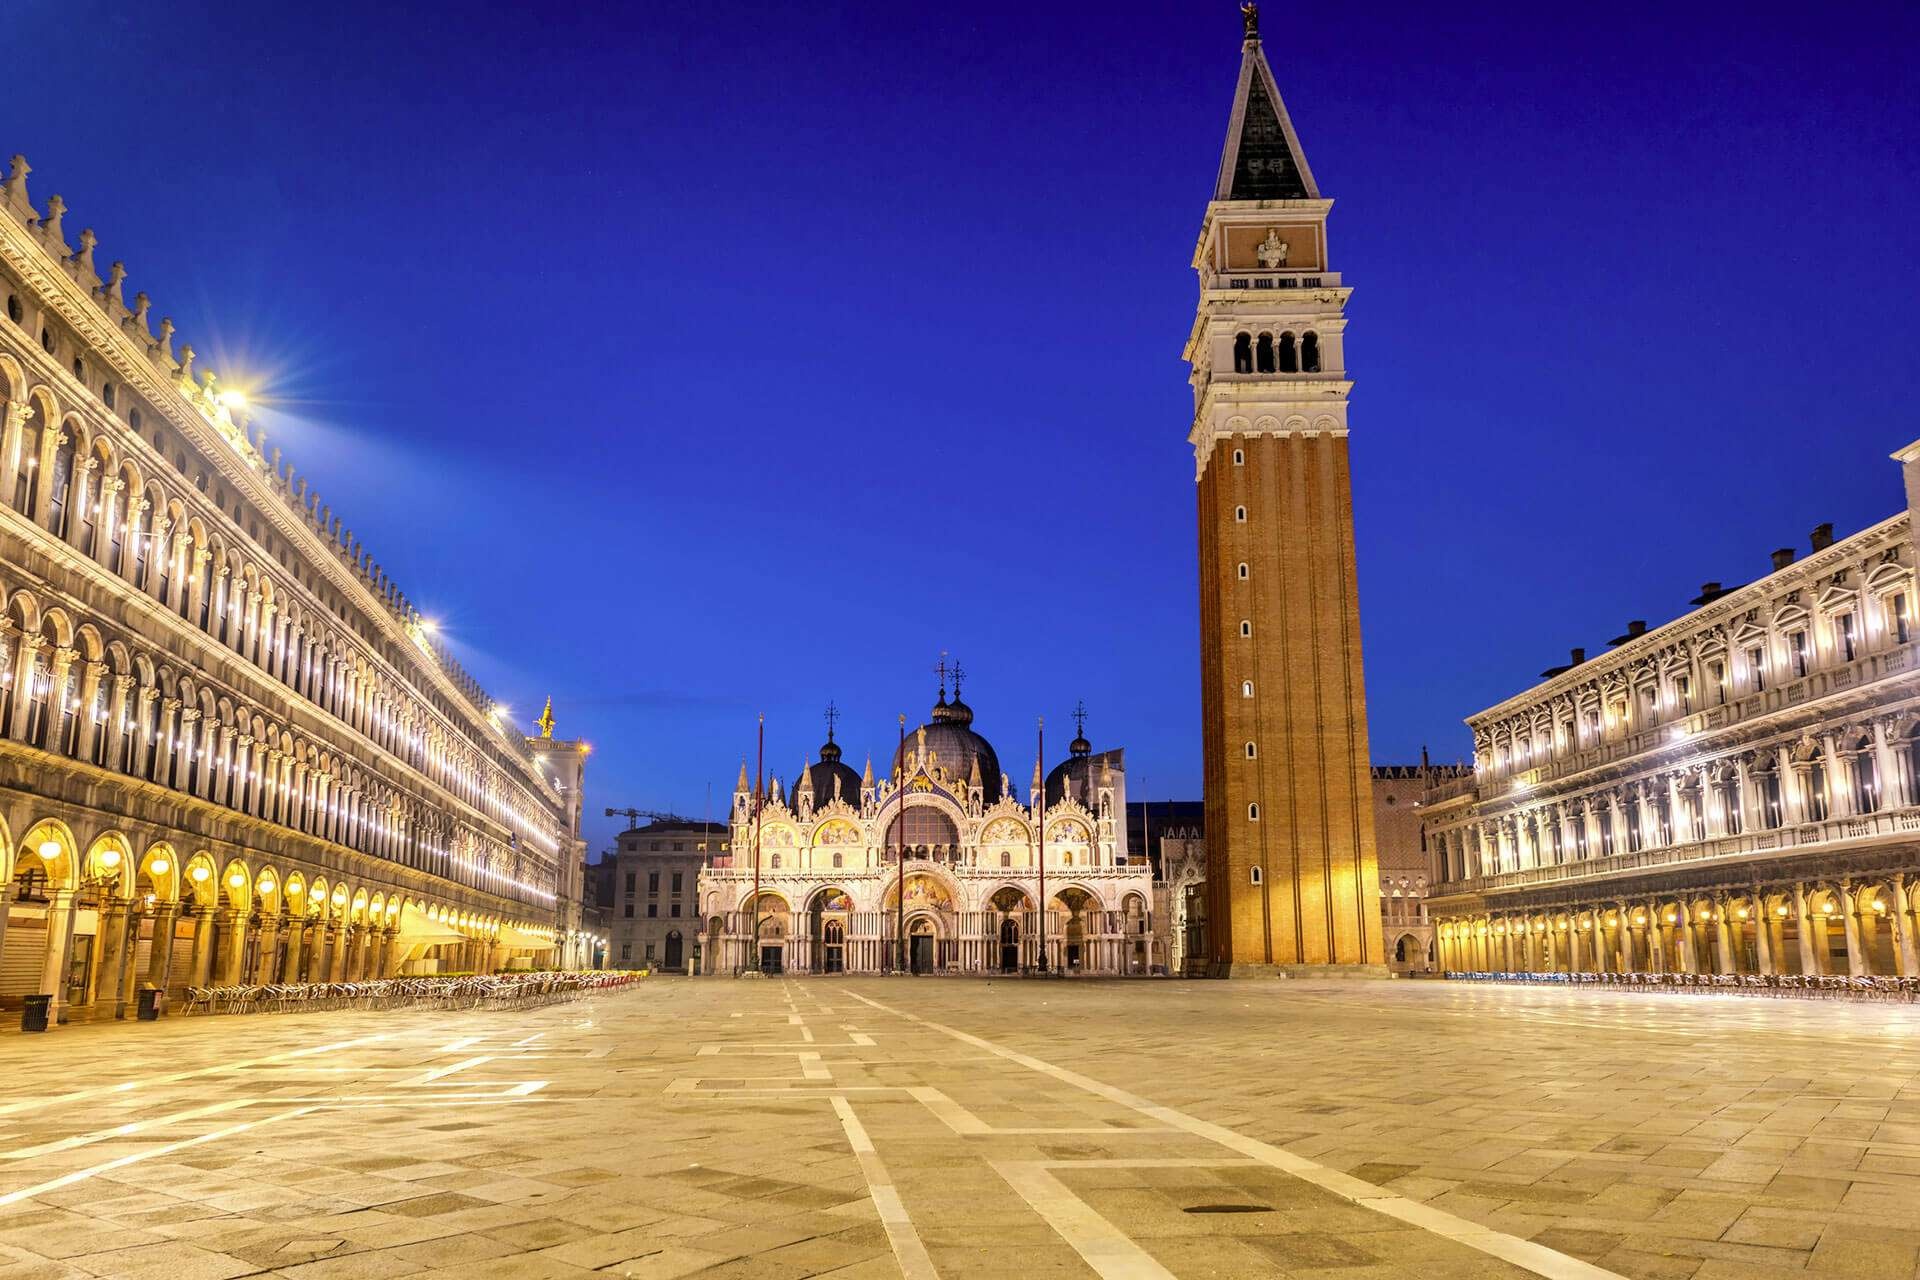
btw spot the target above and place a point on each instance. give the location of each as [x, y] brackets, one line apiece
[907, 1249]
[1525, 1254]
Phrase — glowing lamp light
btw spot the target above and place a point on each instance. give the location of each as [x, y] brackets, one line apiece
[1879, 905]
[49, 850]
[237, 881]
[1672, 918]
[340, 896]
[265, 884]
[295, 889]
[110, 858]
[1826, 908]
[159, 866]
[233, 398]
[1742, 913]
[200, 875]
[1781, 912]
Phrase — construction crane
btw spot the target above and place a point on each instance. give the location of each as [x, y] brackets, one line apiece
[633, 817]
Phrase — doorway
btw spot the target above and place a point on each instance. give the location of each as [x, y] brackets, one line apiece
[1009, 946]
[921, 944]
[674, 959]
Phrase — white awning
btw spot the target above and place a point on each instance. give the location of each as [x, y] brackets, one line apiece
[418, 929]
[521, 938]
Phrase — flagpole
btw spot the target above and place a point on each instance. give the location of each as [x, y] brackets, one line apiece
[900, 860]
[759, 803]
[1040, 767]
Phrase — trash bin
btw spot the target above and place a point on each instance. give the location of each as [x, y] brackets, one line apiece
[151, 999]
[33, 1017]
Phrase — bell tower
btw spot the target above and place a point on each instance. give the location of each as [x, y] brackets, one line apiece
[1292, 879]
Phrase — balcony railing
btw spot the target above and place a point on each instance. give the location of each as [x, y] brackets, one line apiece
[1855, 829]
[1669, 734]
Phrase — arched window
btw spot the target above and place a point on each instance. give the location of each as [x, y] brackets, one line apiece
[1263, 354]
[60, 484]
[1256, 875]
[1289, 361]
[26, 493]
[106, 394]
[1253, 813]
[1252, 751]
[14, 310]
[1243, 571]
[1246, 688]
[836, 859]
[203, 595]
[1239, 457]
[1246, 628]
[1240, 515]
[1006, 858]
[1817, 806]
[1866, 779]
[1243, 353]
[1310, 352]
[91, 483]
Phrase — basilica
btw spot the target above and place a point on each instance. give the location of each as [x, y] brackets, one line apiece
[937, 867]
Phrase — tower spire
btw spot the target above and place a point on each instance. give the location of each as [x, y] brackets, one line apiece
[1263, 159]
[546, 719]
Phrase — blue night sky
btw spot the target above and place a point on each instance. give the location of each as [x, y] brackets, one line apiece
[689, 361]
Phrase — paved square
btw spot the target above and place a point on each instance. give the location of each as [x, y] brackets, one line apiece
[945, 1127]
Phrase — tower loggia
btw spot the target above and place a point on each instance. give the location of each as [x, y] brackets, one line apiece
[1292, 875]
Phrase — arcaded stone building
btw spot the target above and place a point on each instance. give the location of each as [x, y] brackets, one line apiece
[1734, 792]
[230, 748]
[1292, 879]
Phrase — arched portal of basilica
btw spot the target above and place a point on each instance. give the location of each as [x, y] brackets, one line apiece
[936, 868]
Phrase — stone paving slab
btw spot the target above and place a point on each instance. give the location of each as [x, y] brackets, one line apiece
[938, 1127]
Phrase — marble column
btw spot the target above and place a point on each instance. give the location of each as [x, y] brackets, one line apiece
[54, 965]
[266, 964]
[1850, 922]
[1809, 960]
[201, 969]
[160, 954]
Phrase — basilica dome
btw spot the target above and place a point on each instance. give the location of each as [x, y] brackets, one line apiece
[950, 738]
[822, 775]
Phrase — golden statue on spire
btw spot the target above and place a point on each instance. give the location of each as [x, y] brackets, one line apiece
[1250, 19]
[546, 719]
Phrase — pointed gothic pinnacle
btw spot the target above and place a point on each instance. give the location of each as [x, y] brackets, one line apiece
[742, 784]
[50, 225]
[16, 184]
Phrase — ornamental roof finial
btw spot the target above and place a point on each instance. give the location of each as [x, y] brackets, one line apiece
[1250, 18]
[545, 722]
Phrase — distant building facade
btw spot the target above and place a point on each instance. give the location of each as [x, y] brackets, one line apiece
[1175, 833]
[653, 889]
[1406, 873]
[1737, 791]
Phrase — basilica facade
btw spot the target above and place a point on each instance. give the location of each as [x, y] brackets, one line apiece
[936, 868]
